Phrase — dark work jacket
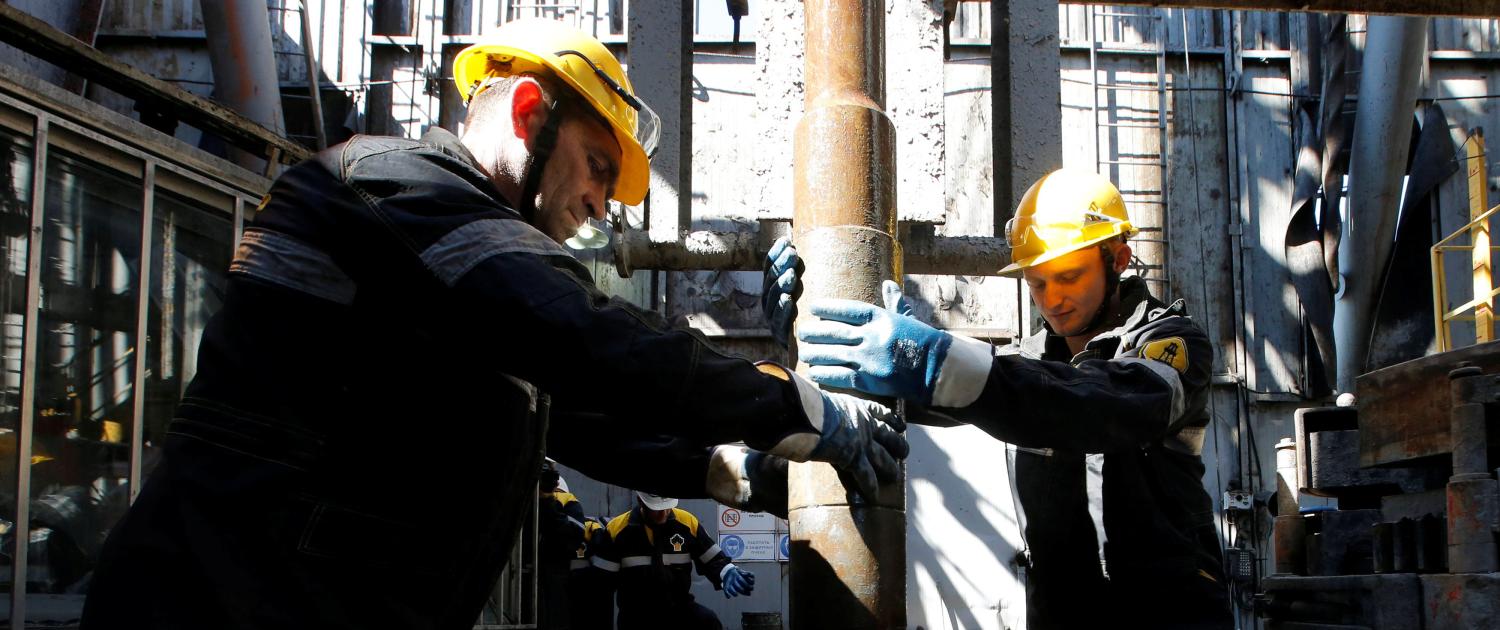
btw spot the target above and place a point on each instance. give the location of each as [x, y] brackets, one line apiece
[1107, 466]
[363, 435]
[653, 563]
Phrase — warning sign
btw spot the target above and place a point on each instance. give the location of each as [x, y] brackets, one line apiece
[733, 520]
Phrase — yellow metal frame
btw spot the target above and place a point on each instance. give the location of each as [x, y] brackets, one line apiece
[1479, 248]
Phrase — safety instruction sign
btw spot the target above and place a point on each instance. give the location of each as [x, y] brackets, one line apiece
[751, 536]
[759, 547]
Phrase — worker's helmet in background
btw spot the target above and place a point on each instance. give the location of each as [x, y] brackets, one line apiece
[551, 48]
[1063, 212]
[656, 501]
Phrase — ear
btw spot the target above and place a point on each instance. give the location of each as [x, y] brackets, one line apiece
[1122, 257]
[527, 110]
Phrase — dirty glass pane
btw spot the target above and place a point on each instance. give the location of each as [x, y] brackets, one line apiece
[80, 458]
[190, 251]
[15, 223]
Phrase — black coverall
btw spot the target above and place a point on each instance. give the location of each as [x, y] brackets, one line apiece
[365, 427]
[1108, 470]
[653, 568]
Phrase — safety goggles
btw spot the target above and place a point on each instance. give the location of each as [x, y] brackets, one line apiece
[1019, 229]
[647, 123]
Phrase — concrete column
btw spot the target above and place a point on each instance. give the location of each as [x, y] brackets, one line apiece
[1026, 114]
[660, 66]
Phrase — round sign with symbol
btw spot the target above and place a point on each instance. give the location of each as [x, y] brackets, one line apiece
[730, 518]
[786, 545]
[733, 546]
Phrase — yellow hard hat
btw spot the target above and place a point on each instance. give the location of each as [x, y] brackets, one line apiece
[550, 48]
[1064, 211]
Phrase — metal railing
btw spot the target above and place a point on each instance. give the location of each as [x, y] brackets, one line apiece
[1481, 308]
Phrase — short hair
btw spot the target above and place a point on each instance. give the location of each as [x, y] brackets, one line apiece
[490, 104]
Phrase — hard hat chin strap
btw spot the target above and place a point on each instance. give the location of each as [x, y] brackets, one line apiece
[1111, 285]
[541, 151]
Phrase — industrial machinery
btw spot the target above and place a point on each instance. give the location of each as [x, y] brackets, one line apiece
[1412, 543]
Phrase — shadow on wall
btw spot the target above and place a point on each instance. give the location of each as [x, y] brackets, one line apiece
[962, 536]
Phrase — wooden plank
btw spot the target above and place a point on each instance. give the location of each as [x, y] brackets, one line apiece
[41, 39]
[1272, 326]
[1473, 8]
[1404, 409]
[1199, 217]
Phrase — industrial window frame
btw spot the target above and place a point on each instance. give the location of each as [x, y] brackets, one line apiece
[53, 125]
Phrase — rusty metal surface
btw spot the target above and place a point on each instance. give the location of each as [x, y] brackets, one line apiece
[1461, 601]
[38, 38]
[239, 48]
[848, 557]
[1473, 511]
[1404, 409]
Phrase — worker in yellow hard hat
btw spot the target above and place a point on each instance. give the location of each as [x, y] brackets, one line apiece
[1106, 408]
[397, 297]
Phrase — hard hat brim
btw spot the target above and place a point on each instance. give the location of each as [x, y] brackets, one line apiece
[655, 502]
[1014, 269]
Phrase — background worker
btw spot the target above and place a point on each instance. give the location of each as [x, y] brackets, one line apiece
[651, 550]
[561, 541]
[394, 297]
[1106, 406]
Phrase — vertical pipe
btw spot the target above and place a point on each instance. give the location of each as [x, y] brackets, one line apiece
[1388, 85]
[244, 67]
[848, 555]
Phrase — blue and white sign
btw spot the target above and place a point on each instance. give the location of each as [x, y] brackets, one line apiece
[784, 550]
[757, 547]
[733, 546]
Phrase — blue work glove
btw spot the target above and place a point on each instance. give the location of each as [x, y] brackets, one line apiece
[887, 352]
[782, 287]
[860, 438]
[737, 581]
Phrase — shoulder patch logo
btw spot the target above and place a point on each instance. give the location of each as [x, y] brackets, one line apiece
[1171, 351]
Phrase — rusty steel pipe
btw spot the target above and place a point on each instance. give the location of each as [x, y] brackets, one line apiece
[244, 66]
[848, 556]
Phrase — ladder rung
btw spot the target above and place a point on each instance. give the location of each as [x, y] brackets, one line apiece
[1128, 87]
[1130, 126]
[1134, 163]
[1143, 48]
[1149, 16]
